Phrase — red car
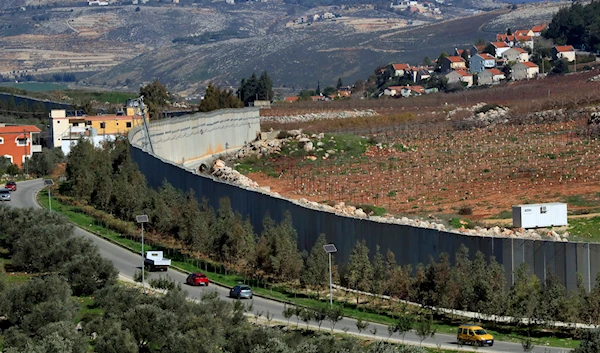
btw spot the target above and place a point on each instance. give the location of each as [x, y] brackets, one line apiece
[11, 185]
[197, 279]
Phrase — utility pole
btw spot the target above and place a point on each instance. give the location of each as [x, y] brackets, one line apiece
[142, 219]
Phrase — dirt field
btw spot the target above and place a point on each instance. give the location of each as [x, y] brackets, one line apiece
[434, 168]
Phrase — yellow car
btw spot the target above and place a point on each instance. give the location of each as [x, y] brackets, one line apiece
[474, 335]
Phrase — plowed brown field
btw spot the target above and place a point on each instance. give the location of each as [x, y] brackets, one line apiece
[438, 170]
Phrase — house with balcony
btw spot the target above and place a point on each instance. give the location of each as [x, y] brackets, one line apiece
[19, 142]
[482, 61]
[67, 129]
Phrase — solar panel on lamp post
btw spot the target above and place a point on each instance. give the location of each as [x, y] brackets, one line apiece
[329, 249]
[142, 219]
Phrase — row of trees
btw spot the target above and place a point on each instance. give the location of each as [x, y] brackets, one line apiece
[108, 179]
[256, 88]
[577, 25]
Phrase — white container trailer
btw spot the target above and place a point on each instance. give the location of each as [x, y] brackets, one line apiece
[539, 215]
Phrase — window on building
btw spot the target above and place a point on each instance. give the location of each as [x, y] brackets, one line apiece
[9, 157]
[21, 141]
[88, 122]
[117, 123]
[103, 125]
[75, 124]
[1, 141]
[58, 122]
[128, 124]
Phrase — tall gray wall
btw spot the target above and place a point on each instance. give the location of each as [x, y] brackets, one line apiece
[411, 245]
[197, 135]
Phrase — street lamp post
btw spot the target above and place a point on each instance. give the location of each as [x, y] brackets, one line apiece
[49, 183]
[142, 219]
[329, 249]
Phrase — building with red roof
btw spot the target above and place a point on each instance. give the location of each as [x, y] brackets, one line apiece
[19, 142]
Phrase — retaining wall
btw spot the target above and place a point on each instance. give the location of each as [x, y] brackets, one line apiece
[411, 245]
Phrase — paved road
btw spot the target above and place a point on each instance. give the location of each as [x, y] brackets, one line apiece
[127, 263]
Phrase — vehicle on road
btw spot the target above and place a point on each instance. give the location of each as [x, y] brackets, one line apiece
[474, 335]
[11, 185]
[197, 279]
[4, 195]
[241, 291]
[154, 261]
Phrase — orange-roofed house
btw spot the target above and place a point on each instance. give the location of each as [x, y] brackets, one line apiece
[490, 77]
[524, 32]
[460, 76]
[19, 142]
[400, 69]
[515, 55]
[291, 99]
[563, 52]
[451, 63]
[500, 48]
[408, 91]
[524, 71]
[508, 39]
[537, 30]
[482, 61]
[392, 91]
[524, 41]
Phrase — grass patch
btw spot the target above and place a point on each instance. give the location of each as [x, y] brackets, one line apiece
[503, 215]
[584, 229]
[459, 222]
[88, 309]
[372, 210]
[581, 201]
[284, 292]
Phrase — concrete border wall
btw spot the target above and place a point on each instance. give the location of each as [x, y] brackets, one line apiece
[411, 245]
[202, 134]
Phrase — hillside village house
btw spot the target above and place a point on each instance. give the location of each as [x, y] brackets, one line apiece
[404, 91]
[515, 55]
[524, 32]
[524, 41]
[524, 70]
[563, 52]
[419, 73]
[537, 30]
[65, 131]
[460, 76]
[19, 142]
[500, 47]
[451, 63]
[400, 69]
[480, 62]
[490, 77]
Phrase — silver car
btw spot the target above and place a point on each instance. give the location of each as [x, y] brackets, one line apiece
[4, 195]
[241, 291]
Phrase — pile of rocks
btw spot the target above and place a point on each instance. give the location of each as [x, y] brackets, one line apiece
[494, 116]
[594, 78]
[260, 148]
[221, 171]
[320, 116]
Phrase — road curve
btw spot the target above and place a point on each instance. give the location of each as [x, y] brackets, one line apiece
[128, 263]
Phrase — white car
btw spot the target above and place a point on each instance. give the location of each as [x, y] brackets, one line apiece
[4, 195]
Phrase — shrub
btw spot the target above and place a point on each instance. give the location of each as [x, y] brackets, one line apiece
[465, 211]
